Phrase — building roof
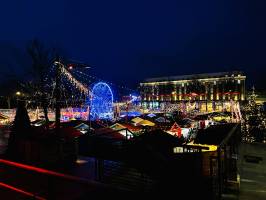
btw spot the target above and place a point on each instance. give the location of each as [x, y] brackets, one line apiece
[108, 133]
[146, 123]
[213, 135]
[137, 120]
[131, 127]
[195, 76]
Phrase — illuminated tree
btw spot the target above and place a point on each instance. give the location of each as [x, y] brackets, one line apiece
[42, 59]
[254, 122]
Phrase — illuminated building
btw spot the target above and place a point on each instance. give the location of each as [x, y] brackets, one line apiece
[213, 89]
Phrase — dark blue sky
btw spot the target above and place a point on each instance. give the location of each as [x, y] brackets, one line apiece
[128, 41]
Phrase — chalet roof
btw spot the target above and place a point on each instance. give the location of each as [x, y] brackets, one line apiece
[108, 133]
[137, 119]
[146, 123]
[131, 127]
[213, 135]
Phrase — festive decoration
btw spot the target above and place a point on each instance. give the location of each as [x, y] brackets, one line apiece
[253, 126]
[90, 77]
[102, 101]
[176, 129]
[235, 111]
[74, 81]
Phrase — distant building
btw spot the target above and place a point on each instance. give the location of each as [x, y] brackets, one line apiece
[211, 87]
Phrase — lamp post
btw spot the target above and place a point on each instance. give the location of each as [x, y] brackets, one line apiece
[57, 94]
[90, 99]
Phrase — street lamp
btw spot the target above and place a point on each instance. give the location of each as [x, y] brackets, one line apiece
[18, 94]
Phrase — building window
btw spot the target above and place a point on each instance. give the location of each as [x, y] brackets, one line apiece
[238, 81]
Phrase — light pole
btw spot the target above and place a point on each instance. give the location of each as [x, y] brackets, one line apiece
[90, 99]
[57, 94]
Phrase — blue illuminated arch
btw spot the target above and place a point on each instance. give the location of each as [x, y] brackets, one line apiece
[102, 101]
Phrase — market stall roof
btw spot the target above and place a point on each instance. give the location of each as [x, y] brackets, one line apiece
[38, 122]
[162, 120]
[146, 123]
[151, 115]
[137, 120]
[131, 127]
[160, 138]
[82, 125]
[117, 126]
[201, 117]
[83, 128]
[108, 133]
[214, 134]
[70, 132]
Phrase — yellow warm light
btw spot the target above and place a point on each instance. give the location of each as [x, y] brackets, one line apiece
[211, 147]
[186, 81]
[80, 161]
[220, 118]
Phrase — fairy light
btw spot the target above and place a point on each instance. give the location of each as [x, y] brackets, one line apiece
[74, 81]
[101, 80]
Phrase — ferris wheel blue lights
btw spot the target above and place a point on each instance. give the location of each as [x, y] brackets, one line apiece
[102, 101]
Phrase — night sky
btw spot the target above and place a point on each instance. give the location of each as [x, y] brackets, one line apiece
[128, 41]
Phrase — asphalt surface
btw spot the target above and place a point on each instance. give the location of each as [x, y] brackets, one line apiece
[252, 171]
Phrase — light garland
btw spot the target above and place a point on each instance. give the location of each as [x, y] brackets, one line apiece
[99, 79]
[74, 81]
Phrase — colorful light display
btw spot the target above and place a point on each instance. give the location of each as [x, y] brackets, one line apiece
[74, 81]
[102, 101]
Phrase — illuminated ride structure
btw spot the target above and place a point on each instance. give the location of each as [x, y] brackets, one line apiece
[101, 102]
[100, 97]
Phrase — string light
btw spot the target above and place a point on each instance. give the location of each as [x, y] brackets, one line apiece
[101, 80]
[74, 81]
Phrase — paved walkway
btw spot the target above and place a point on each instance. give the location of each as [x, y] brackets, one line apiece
[252, 169]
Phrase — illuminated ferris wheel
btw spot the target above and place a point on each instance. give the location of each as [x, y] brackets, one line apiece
[102, 101]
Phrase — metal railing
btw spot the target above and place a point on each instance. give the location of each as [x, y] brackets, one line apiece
[40, 183]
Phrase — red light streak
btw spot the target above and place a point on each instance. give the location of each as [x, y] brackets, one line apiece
[20, 191]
